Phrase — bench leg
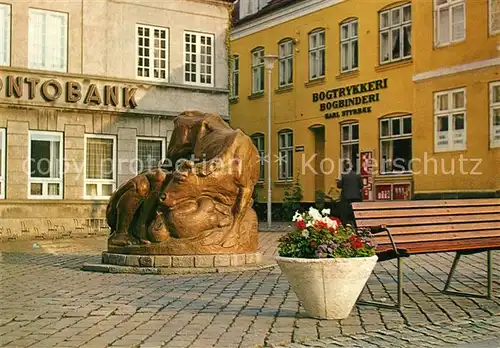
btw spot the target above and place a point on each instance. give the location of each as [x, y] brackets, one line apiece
[399, 303]
[489, 290]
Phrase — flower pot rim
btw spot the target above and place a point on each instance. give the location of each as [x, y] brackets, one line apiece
[322, 260]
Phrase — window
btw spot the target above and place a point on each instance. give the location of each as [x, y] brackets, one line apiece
[257, 71]
[450, 21]
[3, 156]
[152, 52]
[198, 59]
[395, 34]
[285, 160]
[449, 111]
[235, 77]
[46, 165]
[395, 144]
[349, 46]
[349, 143]
[150, 153]
[248, 7]
[48, 40]
[258, 141]
[4, 35]
[100, 166]
[286, 63]
[495, 113]
[317, 54]
[494, 11]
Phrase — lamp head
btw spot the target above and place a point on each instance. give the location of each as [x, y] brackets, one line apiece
[269, 61]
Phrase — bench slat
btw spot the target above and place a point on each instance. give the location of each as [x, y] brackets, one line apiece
[443, 236]
[428, 212]
[487, 243]
[426, 203]
[456, 227]
[392, 222]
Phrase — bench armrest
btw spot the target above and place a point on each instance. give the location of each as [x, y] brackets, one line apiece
[384, 228]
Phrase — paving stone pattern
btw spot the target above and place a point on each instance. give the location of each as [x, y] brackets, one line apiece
[47, 301]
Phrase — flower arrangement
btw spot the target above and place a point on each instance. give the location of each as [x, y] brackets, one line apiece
[318, 235]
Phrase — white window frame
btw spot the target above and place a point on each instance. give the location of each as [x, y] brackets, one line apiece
[31, 43]
[259, 138]
[163, 148]
[390, 28]
[151, 55]
[5, 39]
[450, 4]
[258, 71]
[285, 63]
[285, 153]
[391, 137]
[494, 105]
[235, 76]
[46, 135]
[349, 143]
[490, 19]
[99, 182]
[450, 113]
[3, 172]
[350, 39]
[198, 59]
[315, 62]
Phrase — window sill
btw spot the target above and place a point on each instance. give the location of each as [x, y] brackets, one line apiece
[256, 95]
[394, 65]
[283, 182]
[395, 175]
[449, 151]
[234, 100]
[284, 89]
[448, 44]
[315, 82]
[260, 183]
[348, 75]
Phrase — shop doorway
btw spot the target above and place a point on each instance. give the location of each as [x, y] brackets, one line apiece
[319, 149]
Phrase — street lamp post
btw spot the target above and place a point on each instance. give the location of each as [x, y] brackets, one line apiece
[269, 64]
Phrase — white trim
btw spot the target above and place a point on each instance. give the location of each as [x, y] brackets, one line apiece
[99, 195]
[199, 35]
[151, 57]
[283, 15]
[456, 69]
[492, 106]
[163, 148]
[46, 136]
[47, 13]
[450, 112]
[4, 160]
[7, 36]
[490, 23]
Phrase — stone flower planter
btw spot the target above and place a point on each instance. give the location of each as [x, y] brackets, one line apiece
[327, 288]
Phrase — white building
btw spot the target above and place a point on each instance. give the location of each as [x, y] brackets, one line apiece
[88, 88]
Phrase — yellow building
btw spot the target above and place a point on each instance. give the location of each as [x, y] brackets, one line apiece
[413, 85]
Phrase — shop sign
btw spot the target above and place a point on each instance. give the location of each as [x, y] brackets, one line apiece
[349, 100]
[393, 192]
[299, 148]
[366, 172]
[72, 92]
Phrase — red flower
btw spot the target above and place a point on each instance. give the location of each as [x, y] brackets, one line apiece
[356, 242]
[320, 225]
[300, 224]
[313, 243]
[337, 220]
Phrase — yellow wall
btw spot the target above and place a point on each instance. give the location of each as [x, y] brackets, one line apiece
[294, 108]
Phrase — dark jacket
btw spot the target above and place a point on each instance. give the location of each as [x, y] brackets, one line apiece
[351, 185]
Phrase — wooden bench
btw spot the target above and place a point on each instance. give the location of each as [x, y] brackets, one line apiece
[407, 228]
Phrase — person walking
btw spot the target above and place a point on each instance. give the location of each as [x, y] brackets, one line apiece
[351, 186]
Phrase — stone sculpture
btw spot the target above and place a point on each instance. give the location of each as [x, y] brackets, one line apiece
[199, 202]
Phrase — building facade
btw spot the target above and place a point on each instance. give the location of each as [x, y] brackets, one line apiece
[408, 91]
[88, 94]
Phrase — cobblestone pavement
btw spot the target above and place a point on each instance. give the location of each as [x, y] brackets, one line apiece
[47, 301]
